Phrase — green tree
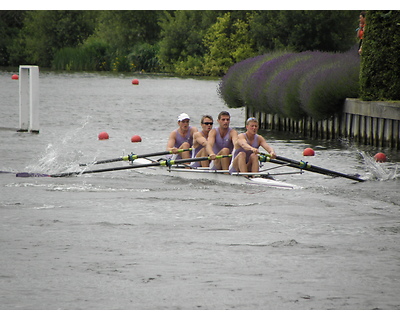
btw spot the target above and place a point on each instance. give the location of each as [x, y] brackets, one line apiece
[123, 29]
[302, 30]
[122, 41]
[227, 42]
[182, 35]
[45, 32]
[11, 21]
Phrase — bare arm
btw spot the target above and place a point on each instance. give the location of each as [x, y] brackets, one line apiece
[171, 141]
[211, 137]
[242, 143]
[198, 139]
[233, 136]
[266, 146]
[209, 150]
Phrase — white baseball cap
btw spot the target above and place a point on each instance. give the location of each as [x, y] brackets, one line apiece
[183, 116]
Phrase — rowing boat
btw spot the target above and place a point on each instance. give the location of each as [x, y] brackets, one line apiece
[179, 167]
[220, 176]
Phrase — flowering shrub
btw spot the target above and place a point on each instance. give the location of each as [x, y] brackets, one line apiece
[259, 81]
[234, 85]
[283, 85]
[323, 91]
[293, 84]
[231, 86]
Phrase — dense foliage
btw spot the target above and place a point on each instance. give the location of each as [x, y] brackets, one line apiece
[184, 42]
[11, 22]
[293, 85]
[380, 69]
[45, 32]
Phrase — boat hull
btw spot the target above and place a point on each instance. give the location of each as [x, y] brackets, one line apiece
[222, 176]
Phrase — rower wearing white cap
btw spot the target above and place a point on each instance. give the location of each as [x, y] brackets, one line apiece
[182, 137]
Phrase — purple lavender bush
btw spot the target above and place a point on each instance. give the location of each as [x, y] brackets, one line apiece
[231, 86]
[256, 82]
[283, 88]
[323, 91]
[294, 85]
[254, 90]
[288, 97]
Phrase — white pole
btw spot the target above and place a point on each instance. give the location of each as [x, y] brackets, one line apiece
[29, 98]
[23, 99]
[34, 99]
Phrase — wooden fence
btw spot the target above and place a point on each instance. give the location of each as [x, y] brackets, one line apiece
[374, 123]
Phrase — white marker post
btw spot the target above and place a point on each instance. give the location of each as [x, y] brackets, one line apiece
[29, 99]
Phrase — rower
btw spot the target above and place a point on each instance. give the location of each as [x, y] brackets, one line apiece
[221, 139]
[245, 153]
[181, 138]
[201, 147]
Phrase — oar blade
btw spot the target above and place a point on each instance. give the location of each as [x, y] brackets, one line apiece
[31, 174]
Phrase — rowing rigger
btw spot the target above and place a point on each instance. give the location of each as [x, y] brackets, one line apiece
[132, 157]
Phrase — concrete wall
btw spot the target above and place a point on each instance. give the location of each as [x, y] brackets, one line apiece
[367, 122]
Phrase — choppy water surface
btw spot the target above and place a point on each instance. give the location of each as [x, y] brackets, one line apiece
[137, 240]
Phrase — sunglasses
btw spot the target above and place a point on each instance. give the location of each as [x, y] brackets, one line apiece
[208, 123]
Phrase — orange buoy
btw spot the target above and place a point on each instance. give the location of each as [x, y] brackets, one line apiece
[135, 81]
[14, 77]
[136, 138]
[380, 157]
[308, 152]
[103, 136]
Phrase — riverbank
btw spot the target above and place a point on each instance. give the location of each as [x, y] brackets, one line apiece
[375, 123]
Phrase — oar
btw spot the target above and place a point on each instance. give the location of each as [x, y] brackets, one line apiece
[165, 163]
[306, 166]
[132, 157]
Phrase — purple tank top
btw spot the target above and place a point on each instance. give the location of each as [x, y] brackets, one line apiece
[247, 152]
[222, 142]
[179, 139]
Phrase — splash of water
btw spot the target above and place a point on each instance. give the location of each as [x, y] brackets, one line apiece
[61, 155]
[380, 171]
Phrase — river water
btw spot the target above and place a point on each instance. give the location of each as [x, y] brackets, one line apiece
[131, 240]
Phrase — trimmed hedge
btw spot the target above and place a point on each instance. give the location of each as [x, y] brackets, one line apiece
[380, 62]
[293, 85]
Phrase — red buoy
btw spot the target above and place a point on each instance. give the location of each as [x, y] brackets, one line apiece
[136, 138]
[135, 81]
[103, 136]
[380, 157]
[308, 152]
[14, 77]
